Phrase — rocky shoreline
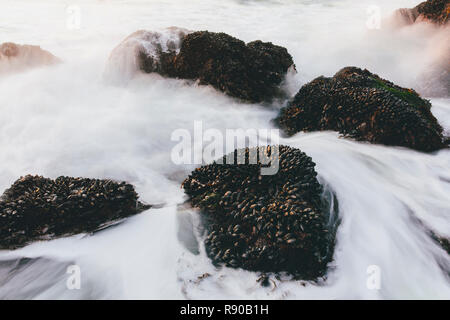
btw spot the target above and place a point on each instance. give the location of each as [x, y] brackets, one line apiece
[276, 223]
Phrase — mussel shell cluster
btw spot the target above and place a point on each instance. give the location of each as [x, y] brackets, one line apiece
[35, 207]
[251, 72]
[363, 106]
[436, 11]
[268, 223]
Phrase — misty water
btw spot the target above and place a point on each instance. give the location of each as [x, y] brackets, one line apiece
[68, 119]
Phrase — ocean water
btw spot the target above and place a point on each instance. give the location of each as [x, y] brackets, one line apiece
[68, 119]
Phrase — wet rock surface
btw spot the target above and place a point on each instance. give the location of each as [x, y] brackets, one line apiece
[361, 105]
[37, 208]
[252, 72]
[15, 57]
[268, 223]
[434, 11]
[147, 51]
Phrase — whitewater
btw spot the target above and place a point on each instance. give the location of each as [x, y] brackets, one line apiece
[69, 120]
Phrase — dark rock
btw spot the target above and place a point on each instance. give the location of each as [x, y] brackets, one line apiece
[37, 208]
[252, 72]
[364, 106]
[434, 11]
[445, 243]
[267, 223]
[442, 241]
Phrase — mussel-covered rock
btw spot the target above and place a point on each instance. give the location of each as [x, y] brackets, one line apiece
[360, 104]
[35, 208]
[252, 72]
[146, 51]
[16, 57]
[267, 223]
[434, 11]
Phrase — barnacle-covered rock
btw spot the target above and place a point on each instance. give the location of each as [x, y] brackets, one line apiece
[36, 208]
[360, 104]
[252, 72]
[434, 11]
[268, 223]
[16, 57]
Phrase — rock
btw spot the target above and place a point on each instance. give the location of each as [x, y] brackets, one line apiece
[146, 51]
[15, 57]
[267, 223]
[361, 105]
[252, 72]
[445, 243]
[429, 22]
[432, 11]
[37, 208]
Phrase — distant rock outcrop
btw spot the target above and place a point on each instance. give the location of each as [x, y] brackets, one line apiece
[360, 104]
[430, 22]
[432, 11]
[37, 208]
[252, 72]
[15, 57]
